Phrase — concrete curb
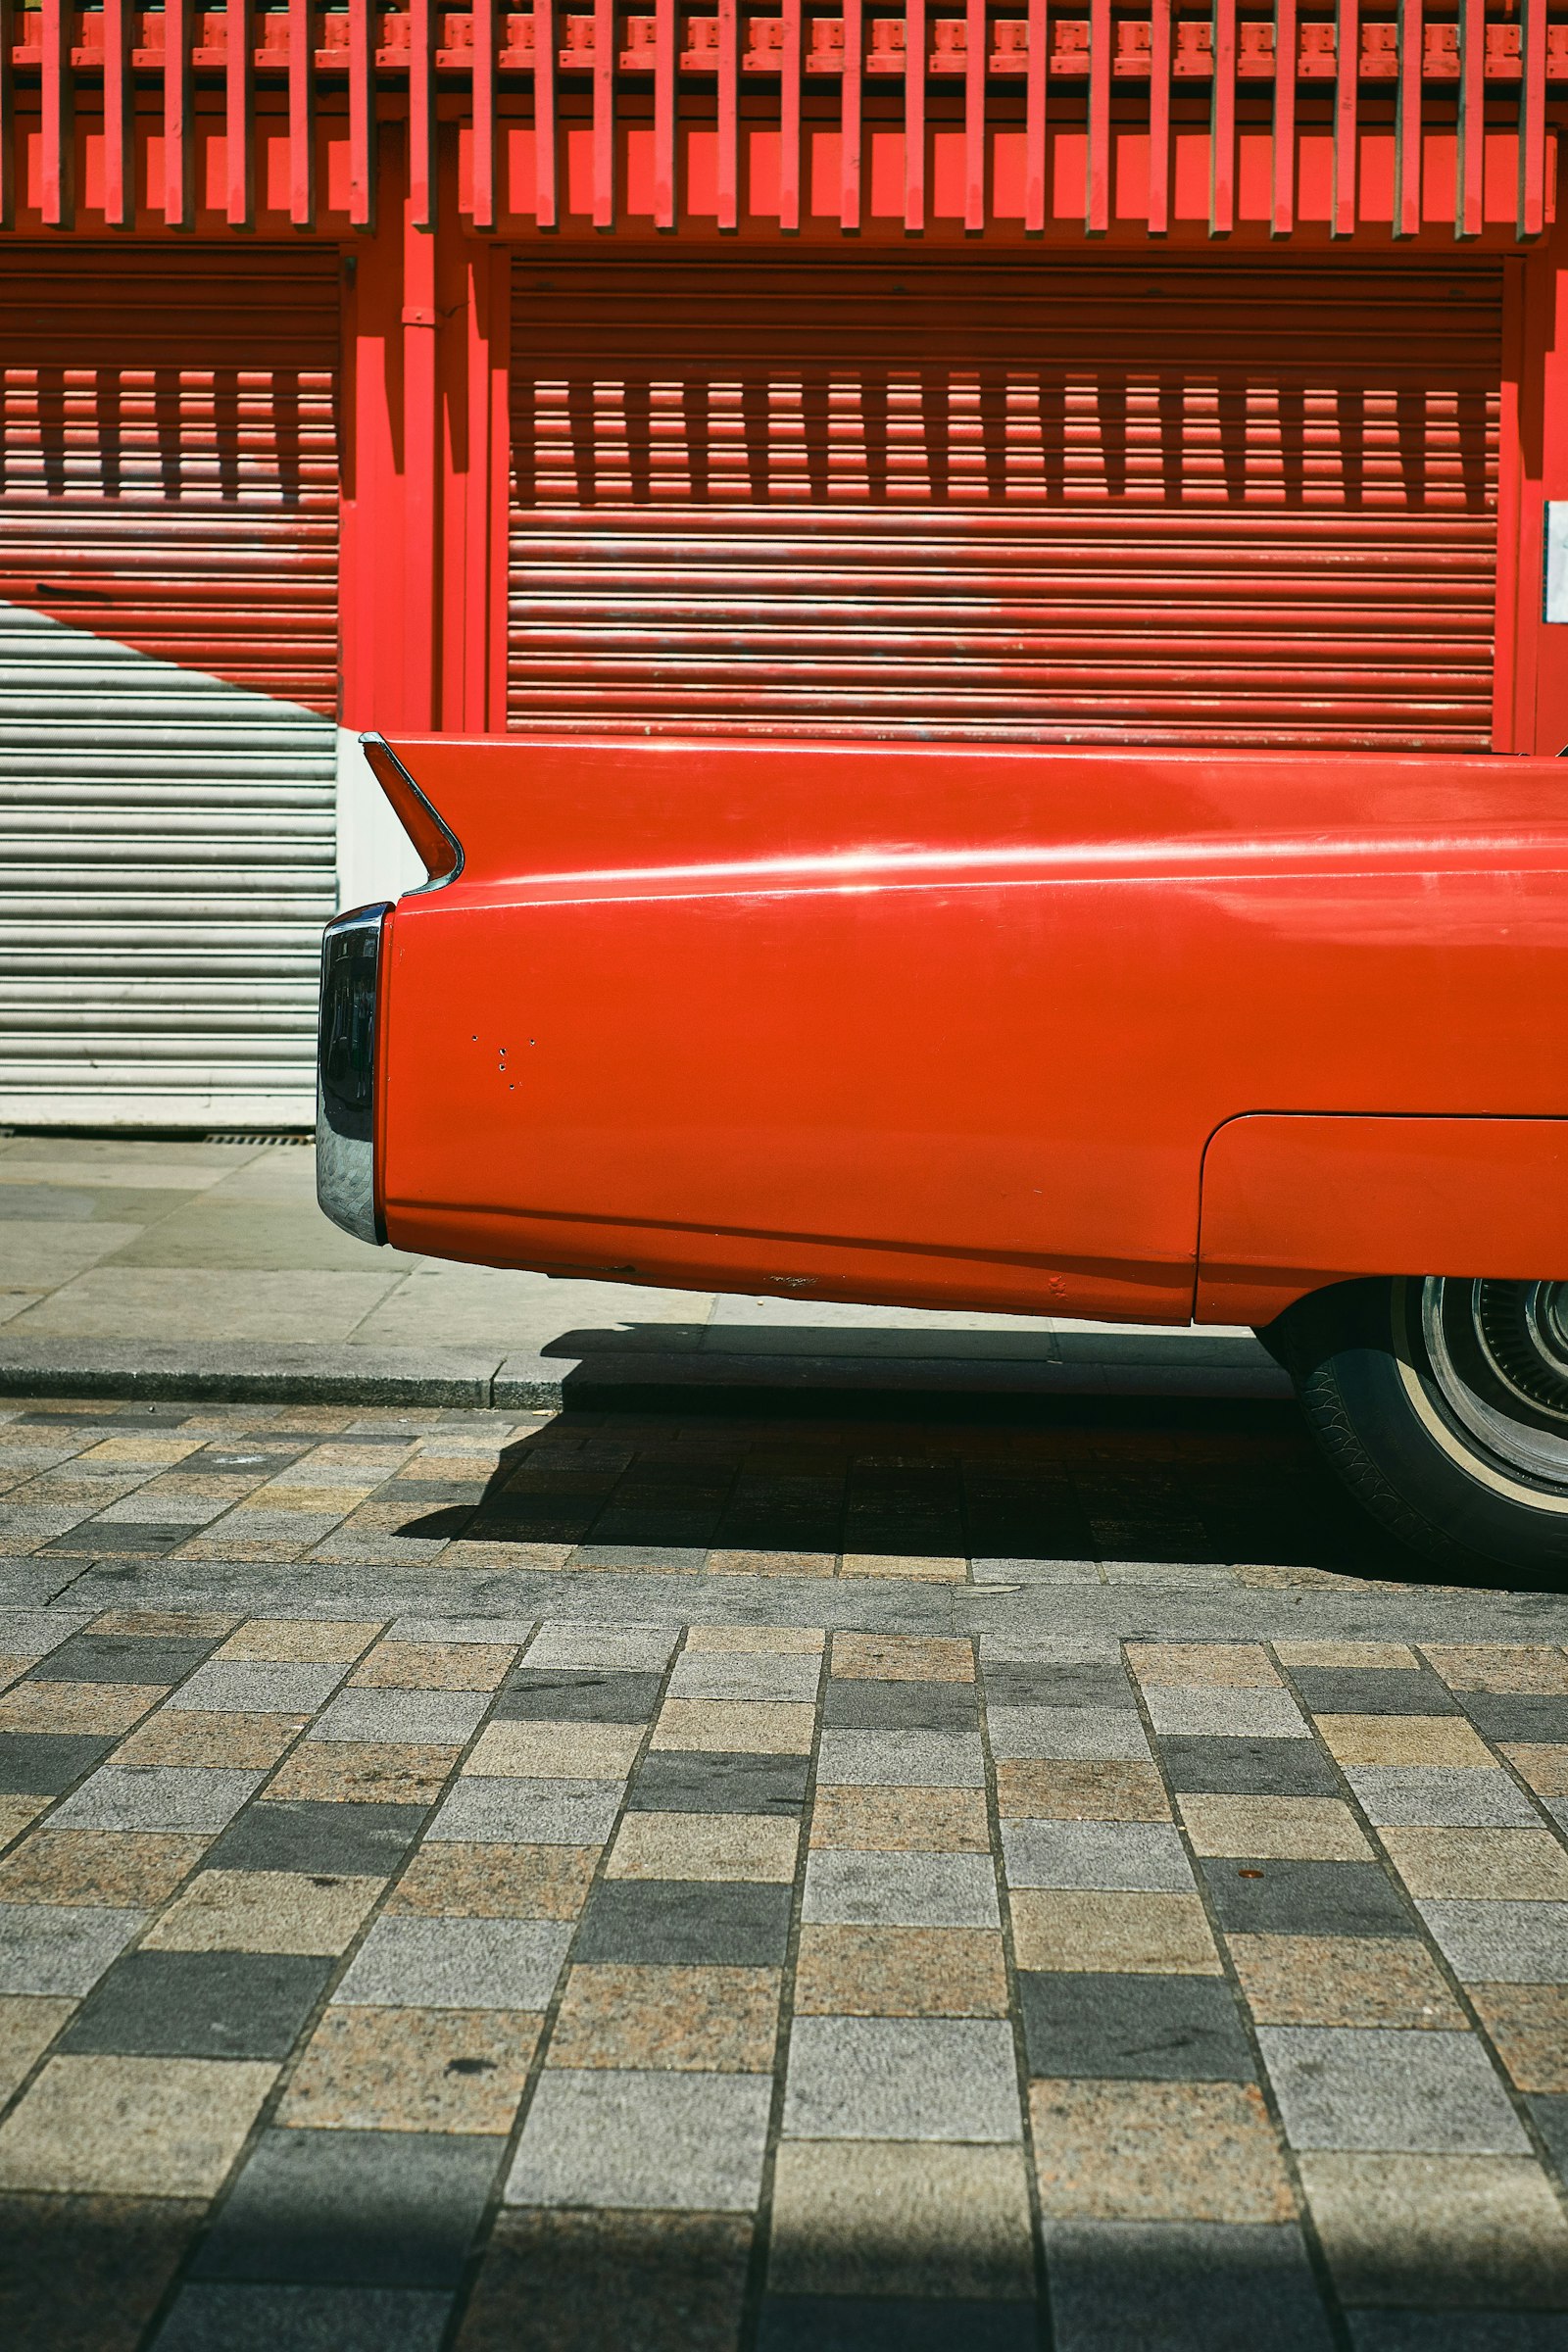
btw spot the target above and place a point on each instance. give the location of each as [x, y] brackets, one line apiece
[482, 1378]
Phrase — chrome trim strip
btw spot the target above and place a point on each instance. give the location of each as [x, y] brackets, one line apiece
[346, 1072]
[379, 743]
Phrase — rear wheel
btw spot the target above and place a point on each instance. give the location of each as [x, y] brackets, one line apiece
[1443, 1406]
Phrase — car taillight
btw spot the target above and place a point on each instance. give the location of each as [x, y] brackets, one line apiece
[345, 1087]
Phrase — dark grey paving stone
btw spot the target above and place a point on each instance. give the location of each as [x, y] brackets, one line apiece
[1370, 1691]
[1516, 1714]
[121, 1534]
[853, 1705]
[89, 1657]
[300, 1834]
[1458, 2331]
[1549, 2112]
[200, 2005]
[561, 1694]
[354, 2209]
[678, 1780]
[893, 2323]
[1133, 2028]
[1182, 2286]
[1202, 1766]
[1305, 1898]
[303, 2319]
[1026, 1683]
[681, 1920]
[46, 1763]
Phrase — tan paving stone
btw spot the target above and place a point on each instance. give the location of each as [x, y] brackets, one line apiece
[587, 2282]
[901, 1972]
[367, 1772]
[1210, 1665]
[1443, 2233]
[675, 2018]
[1403, 1739]
[1368, 1656]
[889, 1821]
[1542, 1765]
[412, 2070]
[105, 1708]
[495, 1881]
[300, 1641]
[1075, 1791]
[187, 1625]
[1498, 1666]
[705, 1845]
[771, 1563]
[892, 2218]
[902, 1659]
[13, 1664]
[1156, 2152]
[733, 1726]
[1528, 2024]
[758, 1641]
[554, 1752]
[132, 2127]
[191, 1736]
[435, 1666]
[14, 1814]
[916, 1567]
[1138, 1935]
[1355, 1981]
[87, 2273]
[29, 2024]
[140, 1449]
[122, 1869]
[264, 1911]
[1274, 1829]
[1522, 1865]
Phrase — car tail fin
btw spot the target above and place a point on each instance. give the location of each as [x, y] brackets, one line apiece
[439, 849]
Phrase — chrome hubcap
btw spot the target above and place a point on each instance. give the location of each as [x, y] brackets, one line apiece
[1498, 1354]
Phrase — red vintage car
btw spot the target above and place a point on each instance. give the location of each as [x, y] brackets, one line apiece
[1232, 1037]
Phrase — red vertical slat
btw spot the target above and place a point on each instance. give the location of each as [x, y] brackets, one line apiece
[664, 114]
[604, 114]
[1281, 196]
[1097, 171]
[789, 120]
[484, 74]
[421, 112]
[729, 107]
[974, 115]
[1407, 121]
[8, 117]
[1159, 63]
[178, 175]
[362, 114]
[59, 135]
[545, 205]
[1472, 117]
[119, 197]
[239, 112]
[1034, 117]
[850, 92]
[1222, 124]
[1533, 119]
[914, 47]
[300, 115]
[1346, 92]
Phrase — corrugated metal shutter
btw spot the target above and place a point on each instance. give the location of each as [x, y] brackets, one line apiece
[168, 681]
[1178, 501]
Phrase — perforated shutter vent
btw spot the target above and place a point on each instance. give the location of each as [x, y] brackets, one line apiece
[1175, 503]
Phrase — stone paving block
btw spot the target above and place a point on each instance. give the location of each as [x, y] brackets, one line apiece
[264, 1911]
[1110, 1733]
[258, 1687]
[895, 2324]
[900, 1890]
[61, 1948]
[1204, 1711]
[1022, 1571]
[1419, 2093]
[1480, 1865]
[446, 1633]
[495, 1881]
[1056, 1683]
[1221, 1767]
[1550, 2115]
[1390, 1655]
[1344, 1981]
[414, 1717]
[1203, 1665]
[300, 1641]
[433, 1666]
[592, 1649]
[1434, 1740]
[559, 1695]
[900, 1760]
[1158, 1935]
[900, 1971]
[792, 1640]
[60, 1708]
[1441, 2232]
[29, 2024]
[1070, 1789]
[1517, 1715]
[412, 2070]
[86, 2274]
[1380, 1690]
[906, 2079]
[915, 1566]
[902, 1659]
[174, 1798]
[678, 1782]
[303, 2319]
[705, 1845]
[131, 2126]
[1529, 2028]
[457, 1963]
[735, 1726]
[664, 2141]
[1127, 1855]
[733, 1675]
[1455, 1797]
[353, 2209]
[860, 1705]
[556, 2282]
[1502, 1943]
[1156, 2151]
[901, 1820]
[336, 1840]
[1455, 2332]
[522, 1812]
[199, 2004]
[1274, 1829]
[1500, 1666]
[16, 1812]
[250, 1743]
[134, 1870]
[364, 1772]
[96, 1656]
[1139, 2029]
[1541, 1767]
[692, 2020]
[554, 1751]
[686, 1921]
[1253, 1896]
[891, 2218]
[1187, 2286]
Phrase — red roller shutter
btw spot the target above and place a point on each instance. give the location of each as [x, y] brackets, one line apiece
[1178, 501]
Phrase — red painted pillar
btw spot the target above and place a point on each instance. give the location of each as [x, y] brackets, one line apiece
[1532, 656]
